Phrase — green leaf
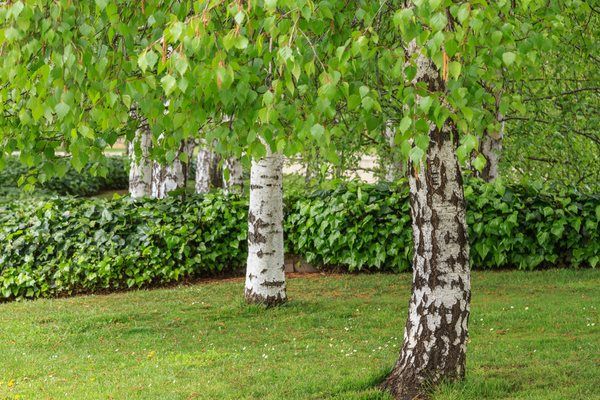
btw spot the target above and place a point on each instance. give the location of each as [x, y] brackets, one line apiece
[405, 124]
[509, 58]
[454, 69]
[62, 109]
[425, 103]
[318, 132]
[479, 162]
[168, 83]
[101, 4]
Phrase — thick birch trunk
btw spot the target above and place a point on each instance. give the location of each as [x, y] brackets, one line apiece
[203, 166]
[140, 173]
[265, 271]
[435, 336]
[235, 181]
[166, 178]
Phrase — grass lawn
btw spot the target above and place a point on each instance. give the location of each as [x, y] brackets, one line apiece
[534, 335]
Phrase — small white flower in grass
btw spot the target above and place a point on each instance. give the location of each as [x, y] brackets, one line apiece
[526, 308]
[265, 356]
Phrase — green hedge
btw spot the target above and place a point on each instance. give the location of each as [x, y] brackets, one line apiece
[55, 246]
[70, 245]
[112, 175]
[362, 226]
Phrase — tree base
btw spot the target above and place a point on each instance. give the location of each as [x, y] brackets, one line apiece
[399, 390]
[267, 301]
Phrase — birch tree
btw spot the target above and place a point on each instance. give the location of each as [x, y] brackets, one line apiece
[204, 159]
[265, 271]
[233, 175]
[140, 173]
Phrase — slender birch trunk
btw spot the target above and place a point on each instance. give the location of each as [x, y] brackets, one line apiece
[234, 183]
[392, 167]
[435, 336]
[491, 149]
[203, 167]
[216, 172]
[140, 173]
[265, 271]
[166, 178]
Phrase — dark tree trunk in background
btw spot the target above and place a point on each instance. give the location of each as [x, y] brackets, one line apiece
[491, 149]
[216, 171]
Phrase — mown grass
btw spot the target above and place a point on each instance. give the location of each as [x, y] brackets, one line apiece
[534, 335]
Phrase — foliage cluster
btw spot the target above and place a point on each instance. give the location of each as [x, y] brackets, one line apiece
[67, 245]
[111, 174]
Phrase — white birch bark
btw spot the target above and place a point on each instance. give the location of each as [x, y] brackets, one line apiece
[203, 166]
[140, 173]
[435, 336]
[235, 181]
[166, 178]
[265, 270]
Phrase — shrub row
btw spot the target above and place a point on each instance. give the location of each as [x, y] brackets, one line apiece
[57, 246]
[111, 175]
[361, 226]
[69, 245]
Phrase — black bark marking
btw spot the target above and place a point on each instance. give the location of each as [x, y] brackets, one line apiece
[273, 283]
[268, 301]
[254, 234]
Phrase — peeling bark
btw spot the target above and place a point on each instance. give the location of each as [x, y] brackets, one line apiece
[140, 173]
[235, 181]
[265, 270]
[435, 336]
